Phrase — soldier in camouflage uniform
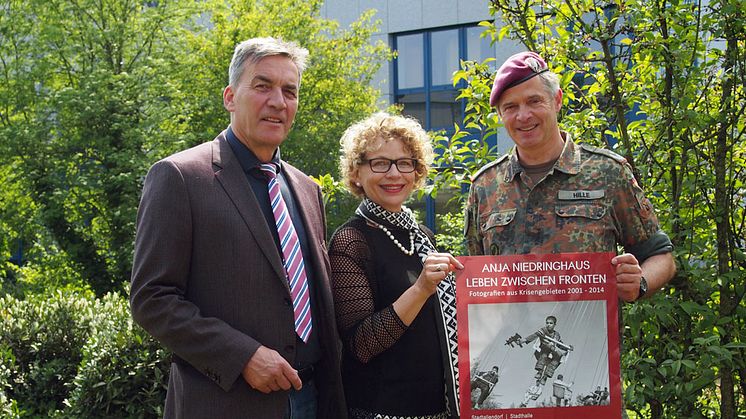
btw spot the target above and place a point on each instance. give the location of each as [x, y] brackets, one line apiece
[551, 195]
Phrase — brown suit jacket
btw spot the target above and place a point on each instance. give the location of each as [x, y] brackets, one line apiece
[209, 284]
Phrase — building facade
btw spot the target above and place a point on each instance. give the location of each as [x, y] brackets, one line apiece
[430, 38]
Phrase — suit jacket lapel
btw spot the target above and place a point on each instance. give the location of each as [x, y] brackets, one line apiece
[229, 173]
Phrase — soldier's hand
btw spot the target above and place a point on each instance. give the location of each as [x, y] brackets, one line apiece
[628, 274]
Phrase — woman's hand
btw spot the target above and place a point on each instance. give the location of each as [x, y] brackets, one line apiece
[435, 268]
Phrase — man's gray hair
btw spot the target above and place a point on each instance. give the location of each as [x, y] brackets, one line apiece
[253, 50]
[551, 82]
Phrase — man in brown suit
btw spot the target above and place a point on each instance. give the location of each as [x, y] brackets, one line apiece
[208, 279]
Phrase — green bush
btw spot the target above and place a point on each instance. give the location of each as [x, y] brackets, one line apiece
[71, 355]
[41, 337]
[123, 371]
[8, 407]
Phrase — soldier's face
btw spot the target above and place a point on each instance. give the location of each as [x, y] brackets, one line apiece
[389, 189]
[550, 324]
[529, 114]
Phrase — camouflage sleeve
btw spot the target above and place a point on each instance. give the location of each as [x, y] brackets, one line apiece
[471, 224]
[639, 230]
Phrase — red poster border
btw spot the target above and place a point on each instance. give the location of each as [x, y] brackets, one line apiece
[471, 290]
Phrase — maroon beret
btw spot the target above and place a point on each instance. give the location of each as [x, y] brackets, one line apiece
[514, 71]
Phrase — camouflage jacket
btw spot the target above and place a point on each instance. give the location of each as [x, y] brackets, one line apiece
[588, 202]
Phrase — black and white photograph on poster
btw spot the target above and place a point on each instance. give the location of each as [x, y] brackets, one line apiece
[538, 354]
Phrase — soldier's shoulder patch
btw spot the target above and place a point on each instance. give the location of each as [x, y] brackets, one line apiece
[488, 166]
[603, 152]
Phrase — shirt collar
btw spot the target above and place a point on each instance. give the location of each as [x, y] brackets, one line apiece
[568, 161]
[245, 156]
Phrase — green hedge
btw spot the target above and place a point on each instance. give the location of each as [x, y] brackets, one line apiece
[71, 355]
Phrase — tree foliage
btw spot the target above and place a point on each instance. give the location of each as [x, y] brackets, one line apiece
[661, 83]
[95, 91]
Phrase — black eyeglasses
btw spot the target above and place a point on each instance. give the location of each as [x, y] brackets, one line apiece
[383, 165]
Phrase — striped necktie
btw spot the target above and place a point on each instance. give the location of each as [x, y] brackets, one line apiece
[291, 254]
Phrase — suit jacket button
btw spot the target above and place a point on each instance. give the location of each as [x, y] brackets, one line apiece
[288, 302]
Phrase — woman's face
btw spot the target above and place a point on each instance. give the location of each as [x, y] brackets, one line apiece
[391, 188]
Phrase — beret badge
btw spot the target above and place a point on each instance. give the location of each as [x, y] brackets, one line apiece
[534, 64]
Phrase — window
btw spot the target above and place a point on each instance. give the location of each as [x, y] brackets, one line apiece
[424, 70]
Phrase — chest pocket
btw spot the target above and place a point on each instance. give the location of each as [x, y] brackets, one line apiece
[589, 211]
[495, 228]
[496, 219]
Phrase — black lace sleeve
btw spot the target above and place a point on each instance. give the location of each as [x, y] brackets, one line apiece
[365, 332]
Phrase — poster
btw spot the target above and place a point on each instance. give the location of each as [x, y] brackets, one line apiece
[538, 337]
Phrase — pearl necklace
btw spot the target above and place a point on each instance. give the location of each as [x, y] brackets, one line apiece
[409, 252]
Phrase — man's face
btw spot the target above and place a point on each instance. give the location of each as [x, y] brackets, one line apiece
[529, 114]
[263, 104]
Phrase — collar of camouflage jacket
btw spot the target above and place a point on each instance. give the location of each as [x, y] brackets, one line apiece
[568, 161]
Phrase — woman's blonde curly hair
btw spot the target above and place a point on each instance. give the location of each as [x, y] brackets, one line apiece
[362, 137]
